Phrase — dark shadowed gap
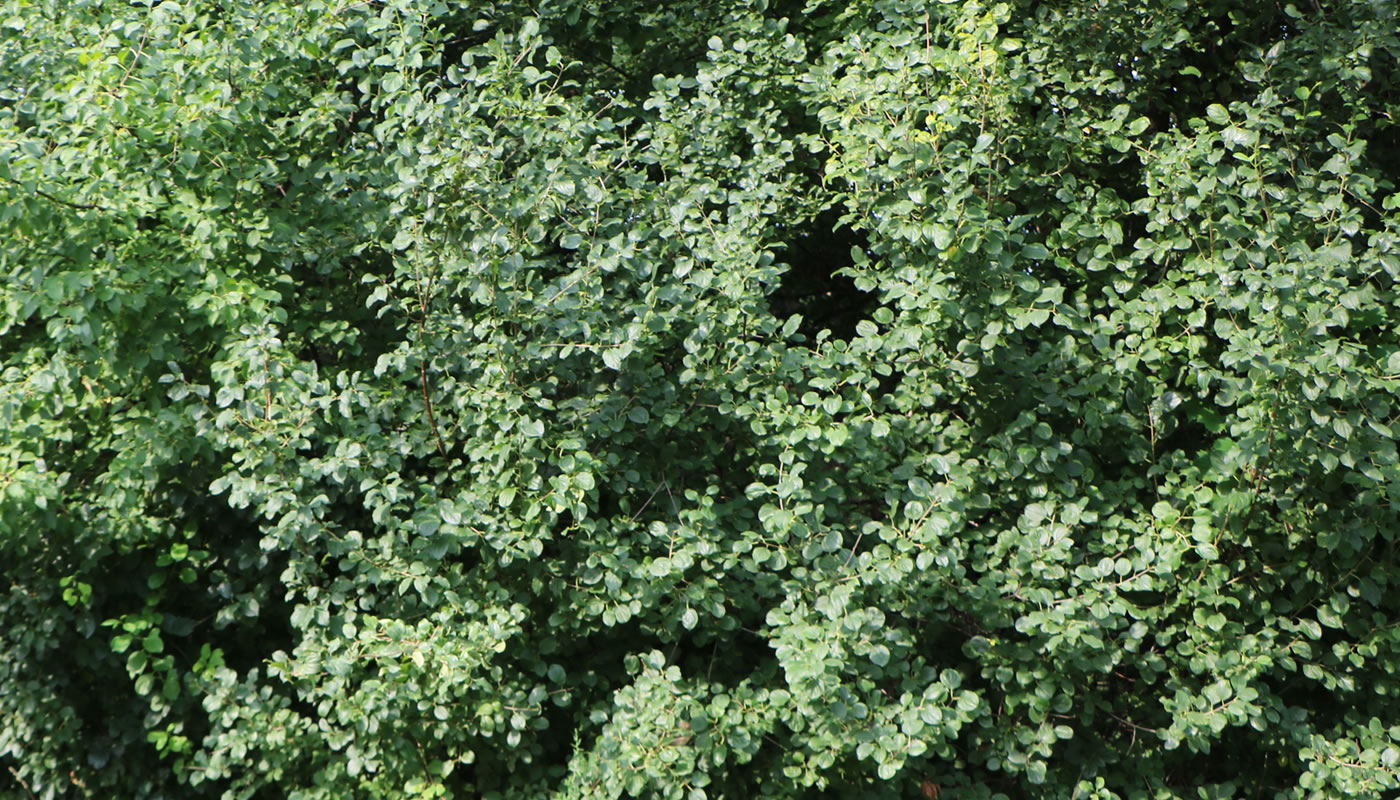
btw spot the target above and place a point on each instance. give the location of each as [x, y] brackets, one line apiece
[329, 319]
[814, 285]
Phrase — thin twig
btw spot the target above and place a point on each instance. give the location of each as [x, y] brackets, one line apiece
[428, 404]
[571, 284]
[267, 388]
[21, 782]
[649, 499]
[853, 550]
[59, 200]
[423, 365]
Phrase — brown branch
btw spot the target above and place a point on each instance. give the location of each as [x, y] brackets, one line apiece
[21, 782]
[58, 200]
[423, 365]
[267, 389]
[428, 404]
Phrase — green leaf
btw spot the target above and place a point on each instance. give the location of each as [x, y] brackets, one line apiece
[1328, 617]
[940, 235]
[1218, 692]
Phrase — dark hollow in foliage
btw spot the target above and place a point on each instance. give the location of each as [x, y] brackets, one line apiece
[814, 286]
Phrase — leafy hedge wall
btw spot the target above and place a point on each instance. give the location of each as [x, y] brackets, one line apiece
[699, 399]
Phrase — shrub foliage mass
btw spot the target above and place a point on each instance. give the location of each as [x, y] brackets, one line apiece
[763, 398]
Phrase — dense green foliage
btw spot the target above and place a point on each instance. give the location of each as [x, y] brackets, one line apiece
[595, 399]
